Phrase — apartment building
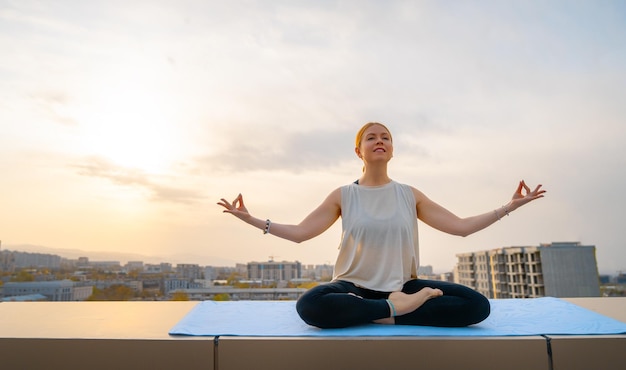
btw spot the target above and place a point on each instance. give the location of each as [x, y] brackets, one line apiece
[189, 271]
[274, 271]
[7, 261]
[12, 260]
[558, 269]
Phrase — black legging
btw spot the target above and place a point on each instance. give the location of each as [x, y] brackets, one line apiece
[332, 306]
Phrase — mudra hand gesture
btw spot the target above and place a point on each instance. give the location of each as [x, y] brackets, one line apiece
[236, 208]
[519, 199]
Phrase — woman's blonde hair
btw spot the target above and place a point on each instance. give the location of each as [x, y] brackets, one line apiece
[359, 135]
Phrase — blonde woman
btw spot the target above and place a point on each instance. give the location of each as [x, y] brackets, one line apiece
[375, 276]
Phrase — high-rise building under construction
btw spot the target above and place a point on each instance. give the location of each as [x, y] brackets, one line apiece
[558, 269]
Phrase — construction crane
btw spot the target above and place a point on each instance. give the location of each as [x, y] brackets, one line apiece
[271, 258]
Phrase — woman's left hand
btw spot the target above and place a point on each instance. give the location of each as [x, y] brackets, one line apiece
[519, 198]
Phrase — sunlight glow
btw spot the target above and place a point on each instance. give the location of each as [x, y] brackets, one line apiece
[129, 126]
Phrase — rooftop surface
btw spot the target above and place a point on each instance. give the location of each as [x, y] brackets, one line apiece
[134, 335]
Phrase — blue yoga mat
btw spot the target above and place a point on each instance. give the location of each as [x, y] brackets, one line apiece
[509, 317]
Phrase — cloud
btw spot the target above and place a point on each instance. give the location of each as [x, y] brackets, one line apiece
[263, 149]
[101, 168]
[52, 104]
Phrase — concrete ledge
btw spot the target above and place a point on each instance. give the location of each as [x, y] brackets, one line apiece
[377, 353]
[134, 335]
[584, 352]
[104, 354]
[99, 336]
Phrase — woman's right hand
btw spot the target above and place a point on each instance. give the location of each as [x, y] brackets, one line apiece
[236, 208]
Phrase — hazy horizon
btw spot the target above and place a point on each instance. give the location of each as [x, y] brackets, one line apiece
[202, 260]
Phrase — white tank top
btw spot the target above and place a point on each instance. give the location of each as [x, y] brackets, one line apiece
[379, 247]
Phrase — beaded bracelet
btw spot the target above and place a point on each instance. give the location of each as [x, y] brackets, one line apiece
[268, 223]
[506, 212]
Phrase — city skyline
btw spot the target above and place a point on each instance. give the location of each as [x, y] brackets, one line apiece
[123, 124]
[125, 259]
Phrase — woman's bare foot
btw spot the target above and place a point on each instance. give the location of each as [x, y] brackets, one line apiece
[405, 303]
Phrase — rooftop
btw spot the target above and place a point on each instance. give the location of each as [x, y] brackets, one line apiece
[134, 335]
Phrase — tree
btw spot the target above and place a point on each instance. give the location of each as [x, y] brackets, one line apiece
[180, 296]
[308, 285]
[23, 276]
[241, 285]
[233, 278]
[112, 293]
[134, 273]
[221, 297]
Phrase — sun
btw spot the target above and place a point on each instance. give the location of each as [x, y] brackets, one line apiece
[132, 126]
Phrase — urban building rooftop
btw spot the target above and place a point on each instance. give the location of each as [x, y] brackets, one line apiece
[134, 335]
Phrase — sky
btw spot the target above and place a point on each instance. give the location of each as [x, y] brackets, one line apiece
[122, 123]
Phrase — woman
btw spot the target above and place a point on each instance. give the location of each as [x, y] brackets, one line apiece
[375, 277]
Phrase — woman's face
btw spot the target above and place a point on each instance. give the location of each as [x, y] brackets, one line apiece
[376, 144]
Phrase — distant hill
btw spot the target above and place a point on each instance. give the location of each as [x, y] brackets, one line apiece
[122, 257]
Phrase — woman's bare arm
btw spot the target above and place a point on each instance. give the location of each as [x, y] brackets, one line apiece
[314, 224]
[441, 219]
